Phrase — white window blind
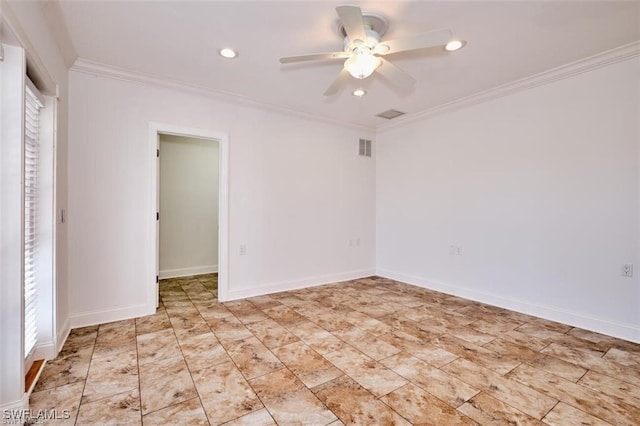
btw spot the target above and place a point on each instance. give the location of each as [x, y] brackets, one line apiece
[33, 103]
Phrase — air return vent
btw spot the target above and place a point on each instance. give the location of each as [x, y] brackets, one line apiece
[391, 113]
[364, 148]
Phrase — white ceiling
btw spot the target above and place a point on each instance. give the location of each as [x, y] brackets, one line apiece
[506, 41]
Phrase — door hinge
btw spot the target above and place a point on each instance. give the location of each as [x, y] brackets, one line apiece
[157, 279]
[157, 215]
[158, 152]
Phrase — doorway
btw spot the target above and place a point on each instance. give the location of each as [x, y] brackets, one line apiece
[190, 198]
[188, 206]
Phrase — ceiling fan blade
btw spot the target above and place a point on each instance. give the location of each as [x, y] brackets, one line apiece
[395, 75]
[351, 17]
[338, 83]
[314, 57]
[421, 41]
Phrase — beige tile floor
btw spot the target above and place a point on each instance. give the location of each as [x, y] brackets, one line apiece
[369, 351]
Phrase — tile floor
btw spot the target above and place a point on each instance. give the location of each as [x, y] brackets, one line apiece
[369, 351]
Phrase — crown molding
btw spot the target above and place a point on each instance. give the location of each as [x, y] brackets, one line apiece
[590, 63]
[99, 69]
[599, 60]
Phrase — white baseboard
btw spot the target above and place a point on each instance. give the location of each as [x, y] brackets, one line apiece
[62, 335]
[297, 284]
[49, 350]
[628, 332]
[45, 350]
[14, 409]
[84, 319]
[187, 272]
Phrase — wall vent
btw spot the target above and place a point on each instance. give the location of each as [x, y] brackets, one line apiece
[391, 113]
[364, 148]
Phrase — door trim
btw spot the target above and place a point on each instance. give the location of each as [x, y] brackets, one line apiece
[155, 129]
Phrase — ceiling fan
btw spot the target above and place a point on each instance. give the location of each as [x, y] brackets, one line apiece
[364, 51]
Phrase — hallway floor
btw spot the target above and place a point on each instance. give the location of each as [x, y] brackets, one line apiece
[368, 351]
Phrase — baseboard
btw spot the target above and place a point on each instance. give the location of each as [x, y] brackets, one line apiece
[297, 284]
[13, 412]
[50, 349]
[84, 319]
[187, 272]
[553, 313]
[45, 350]
[62, 335]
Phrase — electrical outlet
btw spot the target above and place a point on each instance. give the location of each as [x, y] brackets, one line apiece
[243, 250]
[627, 270]
[455, 250]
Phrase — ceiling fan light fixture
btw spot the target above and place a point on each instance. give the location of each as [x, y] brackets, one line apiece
[363, 50]
[228, 53]
[362, 65]
[454, 45]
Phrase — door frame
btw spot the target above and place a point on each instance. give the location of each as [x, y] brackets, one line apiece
[155, 130]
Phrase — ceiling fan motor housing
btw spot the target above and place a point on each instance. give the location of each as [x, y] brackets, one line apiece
[372, 39]
[372, 21]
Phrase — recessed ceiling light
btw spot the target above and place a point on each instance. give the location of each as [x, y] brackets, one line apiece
[228, 53]
[454, 45]
[359, 93]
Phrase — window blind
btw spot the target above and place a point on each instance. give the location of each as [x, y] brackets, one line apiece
[33, 104]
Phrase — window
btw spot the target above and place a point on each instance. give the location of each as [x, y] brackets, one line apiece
[33, 103]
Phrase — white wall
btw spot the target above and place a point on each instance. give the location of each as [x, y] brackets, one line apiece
[539, 188]
[188, 206]
[298, 192]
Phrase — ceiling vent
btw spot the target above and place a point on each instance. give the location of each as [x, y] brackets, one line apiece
[390, 114]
